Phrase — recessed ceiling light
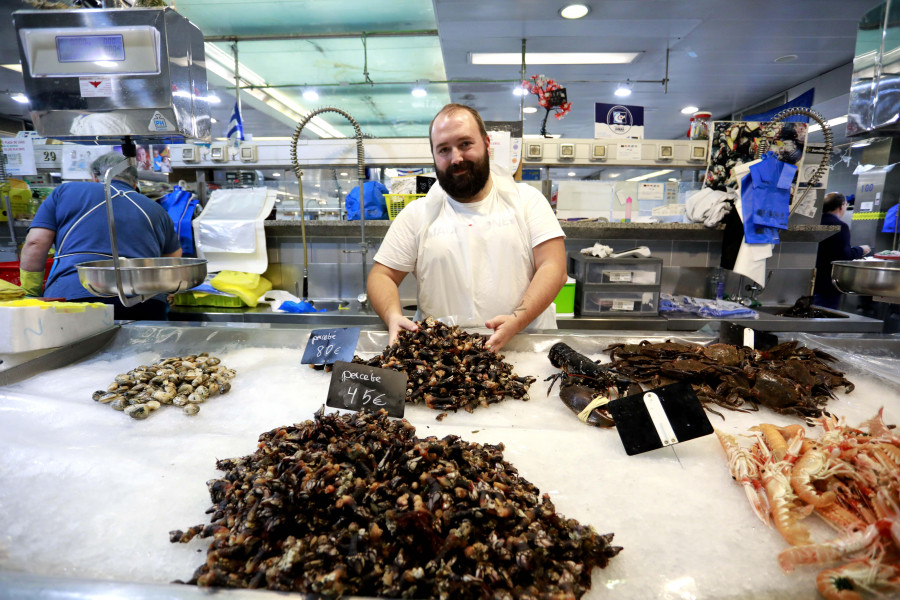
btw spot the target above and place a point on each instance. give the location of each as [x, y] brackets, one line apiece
[614, 175]
[529, 110]
[20, 98]
[689, 110]
[276, 174]
[553, 58]
[786, 58]
[345, 174]
[213, 120]
[673, 179]
[519, 91]
[13, 67]
[419, 92]
[571, 173]
[623, 90]
[574, 11]
[310, 95]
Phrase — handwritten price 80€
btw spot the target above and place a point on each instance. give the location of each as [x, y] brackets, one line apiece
[324, 351]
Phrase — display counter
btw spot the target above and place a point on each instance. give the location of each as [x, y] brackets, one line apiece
[89, 495]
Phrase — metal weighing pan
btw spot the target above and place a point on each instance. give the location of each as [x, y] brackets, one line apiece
[139, 278]
[142, 276]
[867, 277]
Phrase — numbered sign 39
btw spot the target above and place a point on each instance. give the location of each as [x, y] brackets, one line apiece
[359, 387]
[325, 346]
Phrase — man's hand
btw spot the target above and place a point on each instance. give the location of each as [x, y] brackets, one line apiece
[865, 249]
[505, 327]
[395, 324]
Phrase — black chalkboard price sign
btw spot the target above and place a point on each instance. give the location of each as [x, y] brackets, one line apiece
[325, 346]
[360, 387]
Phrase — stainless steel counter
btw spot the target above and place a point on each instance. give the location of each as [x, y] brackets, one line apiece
[355, 315]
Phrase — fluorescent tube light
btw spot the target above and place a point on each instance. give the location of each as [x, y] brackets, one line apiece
[831, 123]
[13, 67]
[553, 58]
[529, 110]
[650, 175]
[20, 98]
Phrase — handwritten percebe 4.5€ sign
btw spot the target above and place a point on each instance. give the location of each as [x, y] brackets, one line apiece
[359, 387]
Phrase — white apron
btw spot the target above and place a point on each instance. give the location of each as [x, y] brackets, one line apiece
[473, 268]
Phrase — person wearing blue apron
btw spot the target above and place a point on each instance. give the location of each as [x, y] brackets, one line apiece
[485, 251]
[835, 247]
[74, 220]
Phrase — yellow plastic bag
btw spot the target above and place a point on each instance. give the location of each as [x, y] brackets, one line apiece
[246, 286]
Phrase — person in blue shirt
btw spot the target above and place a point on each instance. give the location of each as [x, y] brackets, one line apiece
[73, 219]
[836, 247]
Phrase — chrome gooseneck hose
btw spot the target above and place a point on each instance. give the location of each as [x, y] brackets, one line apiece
[829, 143]
[361, 175]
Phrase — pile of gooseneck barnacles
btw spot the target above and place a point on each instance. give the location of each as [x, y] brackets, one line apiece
[356, 504]
[449, 368]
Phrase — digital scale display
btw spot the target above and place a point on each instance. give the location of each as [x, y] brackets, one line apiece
[90, 48]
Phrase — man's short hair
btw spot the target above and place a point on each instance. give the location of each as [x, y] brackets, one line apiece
[452, 108]
[102, 164]
[833, 202]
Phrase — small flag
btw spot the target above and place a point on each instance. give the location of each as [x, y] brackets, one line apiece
[235, 127]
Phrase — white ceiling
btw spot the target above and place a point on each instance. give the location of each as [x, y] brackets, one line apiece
[721, 55]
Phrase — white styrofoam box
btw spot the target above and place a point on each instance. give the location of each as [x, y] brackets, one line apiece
[50, 324]
[230, 232]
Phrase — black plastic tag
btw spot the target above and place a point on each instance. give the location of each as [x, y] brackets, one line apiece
[659, 417]
[326, 346]
[359, 387]
[740, 335]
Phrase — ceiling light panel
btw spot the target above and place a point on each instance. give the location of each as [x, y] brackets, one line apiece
[574, 11]
[334, 66]
[553, 58]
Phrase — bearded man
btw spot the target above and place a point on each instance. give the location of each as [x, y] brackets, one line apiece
[484, 250]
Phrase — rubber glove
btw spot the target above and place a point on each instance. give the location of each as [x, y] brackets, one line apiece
[32, 283]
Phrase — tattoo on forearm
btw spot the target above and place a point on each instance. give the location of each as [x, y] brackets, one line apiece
[518, 309]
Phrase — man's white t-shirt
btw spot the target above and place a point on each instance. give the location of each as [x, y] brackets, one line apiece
[472, 261]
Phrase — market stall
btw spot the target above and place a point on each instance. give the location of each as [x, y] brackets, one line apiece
[90, 495]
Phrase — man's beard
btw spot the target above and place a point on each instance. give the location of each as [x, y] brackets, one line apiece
[466, 184]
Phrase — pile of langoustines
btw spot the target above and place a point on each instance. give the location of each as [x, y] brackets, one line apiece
[358, 505]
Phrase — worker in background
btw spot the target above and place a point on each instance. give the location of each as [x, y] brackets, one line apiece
[836, 247]
[74, 220]
[485, 251]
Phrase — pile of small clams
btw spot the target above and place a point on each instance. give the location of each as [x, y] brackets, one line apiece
[184, 381]
[449, 368]
[356, 504]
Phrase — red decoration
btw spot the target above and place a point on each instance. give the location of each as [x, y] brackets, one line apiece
[551, 96]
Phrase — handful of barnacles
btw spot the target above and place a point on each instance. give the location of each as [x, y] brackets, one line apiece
[357, 505]
[449, 368]
[184, 381]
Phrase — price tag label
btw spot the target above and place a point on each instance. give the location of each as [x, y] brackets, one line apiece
[659, 417]
[326, 346]
[360, 387]
[619, 276]
[623, 305]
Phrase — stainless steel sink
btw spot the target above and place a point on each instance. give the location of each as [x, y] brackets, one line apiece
[330, 305]
[780, 310]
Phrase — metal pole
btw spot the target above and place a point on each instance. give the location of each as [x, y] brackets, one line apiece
[237, 77]
[4, 190]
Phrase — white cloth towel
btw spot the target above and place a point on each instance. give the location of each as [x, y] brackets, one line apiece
[708, 206]
[598, 250]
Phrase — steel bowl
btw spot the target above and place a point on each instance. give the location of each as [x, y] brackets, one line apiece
[867, 277]
[142, 276]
